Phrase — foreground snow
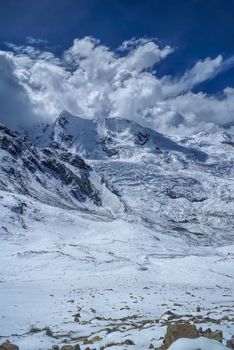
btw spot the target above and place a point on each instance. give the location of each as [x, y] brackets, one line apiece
[115, 274]
[195, 344]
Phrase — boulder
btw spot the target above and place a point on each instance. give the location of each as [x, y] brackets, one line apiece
[76, 347]
[128, 342]
[179, 330]
[92, 340]
[8, 346]
[230, 343]
[215, 335]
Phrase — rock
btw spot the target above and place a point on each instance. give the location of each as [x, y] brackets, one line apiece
[128, 342]
[92, 340]
[179, 330]
[215, 335]
[168, 315]
[55, 347]
[76, 347]
[68, 347]
[8, 346]
[198, 309]
[230, 343]
[151, 346]
[95, 339]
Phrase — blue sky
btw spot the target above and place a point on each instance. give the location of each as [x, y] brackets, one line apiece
[175, 74]
[196, 28]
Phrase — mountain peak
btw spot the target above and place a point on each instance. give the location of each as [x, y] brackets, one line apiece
[101, 138]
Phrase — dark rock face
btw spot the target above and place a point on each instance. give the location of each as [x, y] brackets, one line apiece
[142, 138]
[108, 146]
[9, 143]
[75, 160]
[29, 170]
[79, 185]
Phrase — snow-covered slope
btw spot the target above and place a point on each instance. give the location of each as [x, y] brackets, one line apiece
[183, 187]
[49, 175]
[116, 224]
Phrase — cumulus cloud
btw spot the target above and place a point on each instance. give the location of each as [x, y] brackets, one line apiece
[200, 72]
[91, 80]
[15, 105]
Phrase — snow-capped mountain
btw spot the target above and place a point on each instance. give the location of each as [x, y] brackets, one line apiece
[94, 205]
[183, 187]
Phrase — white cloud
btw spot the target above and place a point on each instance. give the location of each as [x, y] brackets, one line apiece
[16, 108]
[200, 72]
[36, 41]
[91, 80]
[145, 56]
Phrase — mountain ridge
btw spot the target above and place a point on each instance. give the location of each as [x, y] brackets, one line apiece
[119, 167]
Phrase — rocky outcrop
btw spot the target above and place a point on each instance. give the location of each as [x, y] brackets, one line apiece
[176, 331]
[208, 333]
[44, 173]
[8, 346]
[189, 331]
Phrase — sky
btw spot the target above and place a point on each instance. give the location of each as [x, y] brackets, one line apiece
[178, 60]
